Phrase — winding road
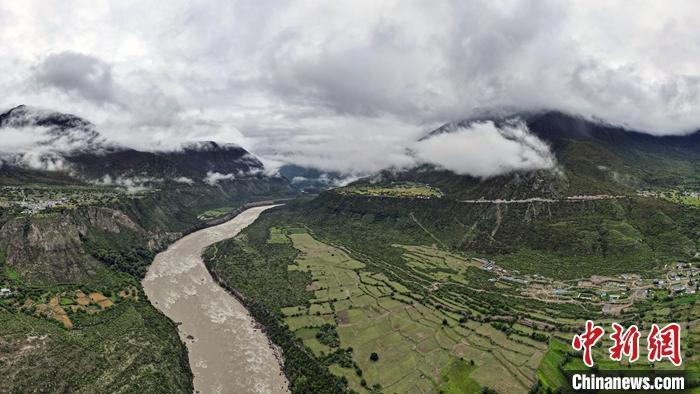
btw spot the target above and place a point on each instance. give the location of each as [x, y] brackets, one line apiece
[227, 353]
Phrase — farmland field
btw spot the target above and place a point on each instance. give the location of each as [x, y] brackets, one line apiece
[397, 190]
[215, 213]
[403, 314]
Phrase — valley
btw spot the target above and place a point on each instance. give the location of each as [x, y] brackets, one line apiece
[419, 280]
[75, 242]
[359, 197]
[427, 281]
[436, 320]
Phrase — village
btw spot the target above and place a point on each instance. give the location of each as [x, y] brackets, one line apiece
[27, 200]
[612, 294]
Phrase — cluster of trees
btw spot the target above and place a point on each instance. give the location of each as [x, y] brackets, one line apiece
[134, 261]
[509, 329]
[304, 372]
[328, 336]
[257, 273]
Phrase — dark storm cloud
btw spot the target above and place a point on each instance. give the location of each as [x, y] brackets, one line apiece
[84, 75]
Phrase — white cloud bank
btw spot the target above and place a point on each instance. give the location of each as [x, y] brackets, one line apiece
[213, 178]
[483, 150]
[346, 86]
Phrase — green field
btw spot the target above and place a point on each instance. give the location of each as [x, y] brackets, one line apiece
[417, 343]
[215, 213]
[421, 335]
[691, 200]
[356, 286]
[278, 236]
[396, 190]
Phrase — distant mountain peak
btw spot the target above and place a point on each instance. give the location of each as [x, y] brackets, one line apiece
[64, 143]
[65, 131]
[24, 116]
[208, 146]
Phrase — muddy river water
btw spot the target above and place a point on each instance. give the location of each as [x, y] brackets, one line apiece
[228, 354]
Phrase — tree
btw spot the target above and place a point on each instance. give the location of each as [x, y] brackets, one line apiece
[374, 357]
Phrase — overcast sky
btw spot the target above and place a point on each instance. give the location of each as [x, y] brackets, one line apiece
[347, 85]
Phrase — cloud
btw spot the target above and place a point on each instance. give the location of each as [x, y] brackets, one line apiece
[213, 178]
[484, 150]
[133, 184]
[185, 180]
[346, 86]
[84, 75]
[26, 142]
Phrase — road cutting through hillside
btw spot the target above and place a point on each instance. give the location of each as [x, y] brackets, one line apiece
[581, 198]
[227, 353]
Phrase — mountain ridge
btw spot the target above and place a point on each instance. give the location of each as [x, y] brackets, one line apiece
[591, 158]
[71, 147]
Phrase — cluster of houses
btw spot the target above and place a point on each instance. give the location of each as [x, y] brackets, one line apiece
[680, 279]
[502, 273]
[611, 291]
[32, 207]
[27, 200]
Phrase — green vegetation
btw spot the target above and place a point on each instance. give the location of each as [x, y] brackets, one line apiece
[260, 273]
[393, 190]
[127, 348]
[393, 278]
[76, 319]
[563, 240]
[454, 378]
[278, 236]
[549, 372]
[691, 199]
[124, 251]
[215, 213]
[11, 274]
[337, 302]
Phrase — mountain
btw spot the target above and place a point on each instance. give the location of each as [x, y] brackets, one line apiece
[312, 180]
[425, 267]
[64, 148]
[613, 194]
[57, 126]
[591, 158]
[80, 222]
[193, 161]
[172, 190]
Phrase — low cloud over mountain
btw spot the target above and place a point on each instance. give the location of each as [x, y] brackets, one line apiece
[483, 150]
[348, 88]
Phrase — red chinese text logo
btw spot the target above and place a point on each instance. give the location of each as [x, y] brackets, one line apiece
[586, 341]
[665, 343]
[662, 343]
[625, 343]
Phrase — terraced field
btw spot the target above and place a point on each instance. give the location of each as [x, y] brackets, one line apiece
[416, 318]
[397, 190]
[419, 344]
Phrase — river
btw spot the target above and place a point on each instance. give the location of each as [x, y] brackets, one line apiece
[228, 354]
